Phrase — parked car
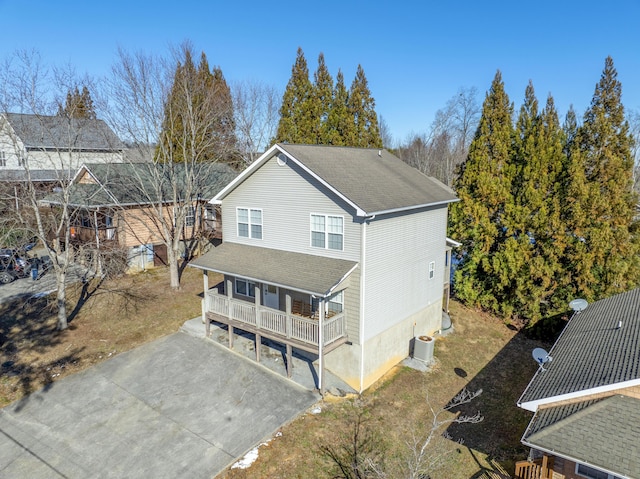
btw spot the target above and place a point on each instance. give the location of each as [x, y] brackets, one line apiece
[13, 265]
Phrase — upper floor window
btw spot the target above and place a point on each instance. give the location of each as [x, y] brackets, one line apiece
[249, 223]
[3, 159]
[592, 473]
[327, 231]
[432, 269]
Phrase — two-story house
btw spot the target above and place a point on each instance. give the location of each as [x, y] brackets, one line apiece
[55, 143]
[586, 397]
[339, 252]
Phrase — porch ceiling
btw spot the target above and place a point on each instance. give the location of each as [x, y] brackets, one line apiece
[311, 274]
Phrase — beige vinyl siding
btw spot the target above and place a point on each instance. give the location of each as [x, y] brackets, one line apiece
[399, 249]
[288, 196]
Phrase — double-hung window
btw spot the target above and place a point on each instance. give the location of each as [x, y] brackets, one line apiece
[190, 216]
[249, 223]
[3, 158]
[327, 231]
[432, 269]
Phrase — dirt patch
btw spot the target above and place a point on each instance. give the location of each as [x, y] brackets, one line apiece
[482, 353]
[107, 319]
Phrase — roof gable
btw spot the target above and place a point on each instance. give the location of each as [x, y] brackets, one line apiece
[372, 181]
[598, 351]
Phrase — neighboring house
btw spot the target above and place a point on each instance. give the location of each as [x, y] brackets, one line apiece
[339, 252]
[586, 400]
[55, 143]
[118, 204]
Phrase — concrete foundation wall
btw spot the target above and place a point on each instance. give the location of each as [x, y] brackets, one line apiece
[383, 351]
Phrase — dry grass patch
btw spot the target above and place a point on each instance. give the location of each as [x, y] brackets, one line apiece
[106, 319]
[482, 353]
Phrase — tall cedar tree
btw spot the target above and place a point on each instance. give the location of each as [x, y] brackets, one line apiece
[361, 107]
[484, 190]
[603, 251]
[78, 105]
[339, 124]
[321, 114]
[296, 113]
[322, 101]
[195, 94]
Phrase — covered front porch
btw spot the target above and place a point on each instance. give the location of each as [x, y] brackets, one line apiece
[290, 298]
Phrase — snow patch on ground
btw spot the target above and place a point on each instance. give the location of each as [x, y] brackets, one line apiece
[250, 457]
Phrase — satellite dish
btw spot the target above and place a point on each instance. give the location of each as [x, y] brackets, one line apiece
[578, 304]
[542, 357]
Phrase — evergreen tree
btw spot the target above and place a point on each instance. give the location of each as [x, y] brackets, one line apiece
[224, 125]
[199, 123]
[603, 254]
[484, 190]
[78, 104]
[296, 113]
[339, 124]
[322, 102]
[361, 107]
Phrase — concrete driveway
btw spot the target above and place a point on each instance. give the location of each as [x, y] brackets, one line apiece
[177, 407]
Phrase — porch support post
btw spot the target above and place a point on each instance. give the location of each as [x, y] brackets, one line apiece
[288, 311]
[258, 336]
[95, 228]
[320, 346]
[229, 289]
[205, 279]
[289, 361]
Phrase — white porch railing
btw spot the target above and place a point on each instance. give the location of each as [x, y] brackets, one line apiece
[290, 326]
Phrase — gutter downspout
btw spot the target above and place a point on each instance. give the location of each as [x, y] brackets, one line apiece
[363, 250]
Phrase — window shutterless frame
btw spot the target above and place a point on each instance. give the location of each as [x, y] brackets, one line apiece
[327, 231]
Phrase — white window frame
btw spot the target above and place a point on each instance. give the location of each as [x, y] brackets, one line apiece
[3, 158]
[337, 299]
[249, 287]
[585, 474]
[326, 231]
[190, 216]
[432, 270]
[250, 223]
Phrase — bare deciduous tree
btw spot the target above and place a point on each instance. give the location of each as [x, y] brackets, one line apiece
[257, 108]
[634, 128]
[163, 128]
[40, 143]
[439, 152]
[364, 453]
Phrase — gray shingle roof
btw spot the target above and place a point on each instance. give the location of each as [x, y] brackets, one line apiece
[374, 180]
[122, 184]
[604, 434]
[59, 132]
[592, 351]
[36, 175]
[303, 272]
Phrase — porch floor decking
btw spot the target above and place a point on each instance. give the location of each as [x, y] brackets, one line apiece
[272, 356]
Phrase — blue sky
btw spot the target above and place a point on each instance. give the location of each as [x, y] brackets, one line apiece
[416, 55]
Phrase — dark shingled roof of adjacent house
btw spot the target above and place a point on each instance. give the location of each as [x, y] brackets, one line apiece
[302, 272]
[120, 184]
[60, 132]
[593, 351]
[604, 434]
[373, 179]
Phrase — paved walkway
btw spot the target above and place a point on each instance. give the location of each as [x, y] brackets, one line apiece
[180, 406]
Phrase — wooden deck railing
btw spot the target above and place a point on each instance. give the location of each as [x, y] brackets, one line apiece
[538, 469]
[275, 321]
